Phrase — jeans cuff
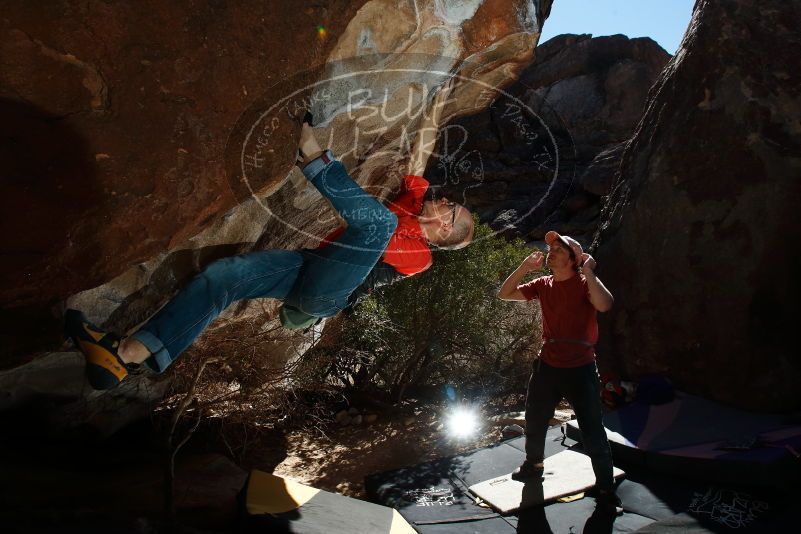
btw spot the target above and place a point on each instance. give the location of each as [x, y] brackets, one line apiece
[316, 166]
[159, 358]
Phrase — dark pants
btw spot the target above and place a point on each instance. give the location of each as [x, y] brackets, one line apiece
[581, 387]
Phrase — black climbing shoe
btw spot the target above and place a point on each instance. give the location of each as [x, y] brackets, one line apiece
[527, 471]
[608, 500]
[104, 368]
[300, 157]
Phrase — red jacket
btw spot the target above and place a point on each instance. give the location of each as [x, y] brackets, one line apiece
[407, 250]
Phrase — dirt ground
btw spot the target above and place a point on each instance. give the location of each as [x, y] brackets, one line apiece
[339, 460]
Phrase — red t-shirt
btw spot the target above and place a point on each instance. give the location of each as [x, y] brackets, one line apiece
[567, 313]
[407, 250]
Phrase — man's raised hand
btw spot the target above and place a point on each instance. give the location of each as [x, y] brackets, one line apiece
[535, 260]
[509, 289]
[588, 267]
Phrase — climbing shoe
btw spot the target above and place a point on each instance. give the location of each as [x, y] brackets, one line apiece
[528, 471]
[300, 157]
[104, 368]
[609, 501]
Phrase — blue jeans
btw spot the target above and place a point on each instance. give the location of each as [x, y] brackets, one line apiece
[317, 282]
[581, 387]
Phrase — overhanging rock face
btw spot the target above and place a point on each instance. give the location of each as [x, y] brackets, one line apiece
[699, 239]
[122, 152]
[117, 116]
[167, 138]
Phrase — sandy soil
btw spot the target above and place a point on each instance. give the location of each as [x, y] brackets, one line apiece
[341, 459]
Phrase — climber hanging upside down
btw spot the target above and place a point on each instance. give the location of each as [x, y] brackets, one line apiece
[380, 245]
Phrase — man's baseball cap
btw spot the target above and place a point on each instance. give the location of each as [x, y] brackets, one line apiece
[567, 241]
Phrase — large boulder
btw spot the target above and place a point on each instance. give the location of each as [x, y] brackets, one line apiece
[122, 118]
[583, 96]
[115, 119]
[699, 239]
[597, 85]
[162, 138]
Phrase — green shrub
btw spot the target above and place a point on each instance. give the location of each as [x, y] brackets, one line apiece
[444, 326]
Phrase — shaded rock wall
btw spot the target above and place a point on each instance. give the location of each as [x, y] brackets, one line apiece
[206, 488]
[699, 239]
[598, 86]
[590, 92]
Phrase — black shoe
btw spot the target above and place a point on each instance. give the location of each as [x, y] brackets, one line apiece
[104, 368]
[527, 471]
[300, 157]
[608, 500]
